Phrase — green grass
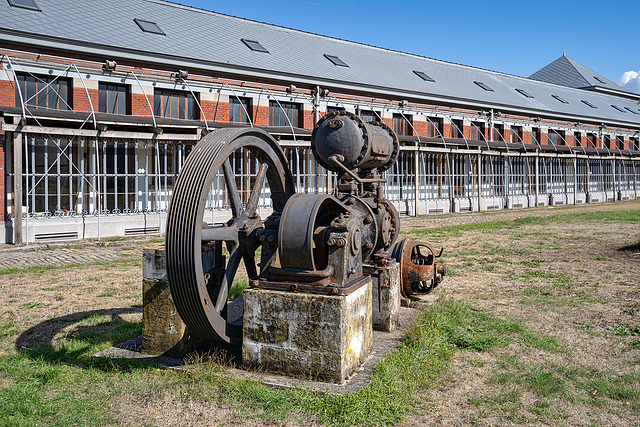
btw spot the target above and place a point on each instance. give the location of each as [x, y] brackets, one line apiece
[108, 293]
[591, 386]
[622, 216]
[237, 288]
[30, 305]
[48, 384]
[624, 330]
[8, 330]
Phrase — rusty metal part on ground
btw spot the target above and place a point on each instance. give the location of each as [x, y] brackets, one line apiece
[310, 242]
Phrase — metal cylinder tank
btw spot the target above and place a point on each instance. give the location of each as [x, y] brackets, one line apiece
[357, 144]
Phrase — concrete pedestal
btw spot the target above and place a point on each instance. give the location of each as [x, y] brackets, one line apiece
[163, 332]
[385, 296]
[309, 336]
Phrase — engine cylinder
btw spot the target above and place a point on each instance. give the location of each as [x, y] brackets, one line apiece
[357, 145]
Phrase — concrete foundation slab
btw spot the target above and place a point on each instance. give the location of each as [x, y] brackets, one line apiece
[383, 344]
[163, 331]
[385, 294]
[305, 335]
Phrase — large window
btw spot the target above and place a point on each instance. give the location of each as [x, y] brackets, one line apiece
[175, 104]
[633, 143]
[43, 92]
[620, 142]
[592, 140]
[498, 133]
[607, 142]
[239, 110]
[577, 139]
[369, 116]
[536, 134]
[516, 134]
[113, 98]
[434, 127]
[557, 137]
[477, 131]
[280, 112]
[402, 124]
[457, 127]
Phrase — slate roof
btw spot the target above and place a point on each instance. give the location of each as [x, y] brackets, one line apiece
[203, 40]
[565, 71]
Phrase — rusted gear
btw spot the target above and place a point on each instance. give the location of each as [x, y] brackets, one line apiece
[420, 269]
[390, 224]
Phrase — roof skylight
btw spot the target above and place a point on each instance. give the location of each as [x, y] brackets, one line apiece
[631, 110]
[600, 80]
[335, 60]
[423, 76]
[254, 46]
[618, 108]
[483, 86]
[588, 103]
[25, 4]
[557, 97]
[149, 27]
[524, 93]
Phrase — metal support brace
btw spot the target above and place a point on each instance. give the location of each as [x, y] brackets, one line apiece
[537, 170]
[17, 186]
[416, 165]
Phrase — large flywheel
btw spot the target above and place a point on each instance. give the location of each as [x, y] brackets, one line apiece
[200, 275]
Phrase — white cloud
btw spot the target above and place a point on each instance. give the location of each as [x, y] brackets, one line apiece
[630, 80]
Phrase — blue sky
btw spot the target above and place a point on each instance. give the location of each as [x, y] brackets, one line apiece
[515, 37]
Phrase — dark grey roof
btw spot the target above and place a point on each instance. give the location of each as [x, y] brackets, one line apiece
[203, 40]
[568, 72]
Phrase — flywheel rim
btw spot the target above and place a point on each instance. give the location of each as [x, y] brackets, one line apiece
[184, 237]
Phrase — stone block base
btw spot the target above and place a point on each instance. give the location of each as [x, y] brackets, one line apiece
[309, 336]
[163, 332]
[385, 296]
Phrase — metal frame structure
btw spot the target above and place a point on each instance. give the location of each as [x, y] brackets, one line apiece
[92, 172]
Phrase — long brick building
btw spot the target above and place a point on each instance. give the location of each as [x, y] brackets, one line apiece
[101, 102]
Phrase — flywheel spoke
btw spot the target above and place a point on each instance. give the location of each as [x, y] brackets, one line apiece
[220, 233]
[229, 274]
[256, 191]
[232, 189]
[250, 264]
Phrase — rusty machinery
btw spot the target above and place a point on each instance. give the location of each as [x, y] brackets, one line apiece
[310, 242]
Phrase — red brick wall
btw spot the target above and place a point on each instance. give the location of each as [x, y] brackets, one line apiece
[139, 105]
[260, 115]
[421, 128]
[446, 129]
[506, 134]
[307, 119]
[467, 131]
[7, 94]
[80, 101]
[216, 111]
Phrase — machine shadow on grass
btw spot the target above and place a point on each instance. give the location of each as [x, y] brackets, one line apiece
[634, 249]
[88, 332]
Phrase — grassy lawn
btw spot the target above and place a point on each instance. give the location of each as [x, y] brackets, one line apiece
[538, 323]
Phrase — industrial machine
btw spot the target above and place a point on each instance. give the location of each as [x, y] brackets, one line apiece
[315, 243]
